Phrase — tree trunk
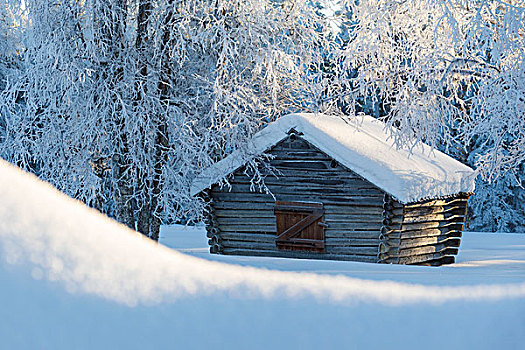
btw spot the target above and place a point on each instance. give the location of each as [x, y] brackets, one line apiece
[141, 44]
[161, 126]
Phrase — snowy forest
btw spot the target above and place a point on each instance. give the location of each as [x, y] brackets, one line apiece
[121, 103]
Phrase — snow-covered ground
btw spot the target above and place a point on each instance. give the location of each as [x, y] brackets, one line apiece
[72, 279]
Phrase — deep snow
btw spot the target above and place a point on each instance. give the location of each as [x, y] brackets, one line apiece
[71, 278]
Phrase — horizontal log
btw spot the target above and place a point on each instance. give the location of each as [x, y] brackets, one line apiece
[303, 164]
[423, 241]
[301, 191]
[456, 226]
[362, 250]
[422, 211]
[438, 203]
[270, 238]
[300, 254]
[353, 226]
[249, 237]
[343, 242]
[246, 221]
[249, 228]
[436, 248]
[317, 173]
[434, 218]
[295, 154]
[267, 198]
[315, 180]
[245, 213]
[431, 233]
[295, 188]
[332, 207]
[372, 234]
[434, 259]
[267, 243]
[350, 209]
[226, 243]
[243, 205]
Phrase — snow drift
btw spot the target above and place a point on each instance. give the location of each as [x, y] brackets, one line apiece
[62, 240]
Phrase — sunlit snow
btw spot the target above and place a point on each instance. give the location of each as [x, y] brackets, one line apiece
[62, 264]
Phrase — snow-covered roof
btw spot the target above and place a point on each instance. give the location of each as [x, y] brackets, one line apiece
[363, 145]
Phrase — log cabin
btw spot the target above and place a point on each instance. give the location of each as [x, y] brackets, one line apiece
[336, 189]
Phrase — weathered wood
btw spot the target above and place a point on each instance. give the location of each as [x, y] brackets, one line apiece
[371, 251]
[418, 212]
[249, 228]
[298, 192]
[434, 259]
[432, 232]
[295, 189]
[435, 248]
[251, 217]
[347, 209]
[432, 225]
[299, 255]
[244, 213]
[289, 153]
[304, 164]
[249, 237]
[267, 226]
[265, 242]
[243, 205]
[343, 242]
[342, 180]
[434, 218]
[347, 200]
[249, 244]
[418, 242]
[246, 220]
[373, 234]
[352, 214]
[460, 200]
[300, 226]
[361, 220]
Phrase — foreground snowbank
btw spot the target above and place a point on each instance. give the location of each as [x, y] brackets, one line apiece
[65, 241]
[69, 275]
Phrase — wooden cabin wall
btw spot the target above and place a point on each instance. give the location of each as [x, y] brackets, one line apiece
[426, 232]
[243, 222]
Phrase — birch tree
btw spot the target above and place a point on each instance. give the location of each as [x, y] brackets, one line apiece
[125, 101]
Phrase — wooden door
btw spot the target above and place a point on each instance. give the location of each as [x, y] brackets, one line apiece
[300, 226]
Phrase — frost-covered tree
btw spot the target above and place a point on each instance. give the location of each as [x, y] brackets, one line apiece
[125, 101]
[9, 37]
[450, 73]
[446, 70]
[9, 47]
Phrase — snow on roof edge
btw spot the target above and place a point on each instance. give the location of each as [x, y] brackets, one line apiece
[365, 147]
